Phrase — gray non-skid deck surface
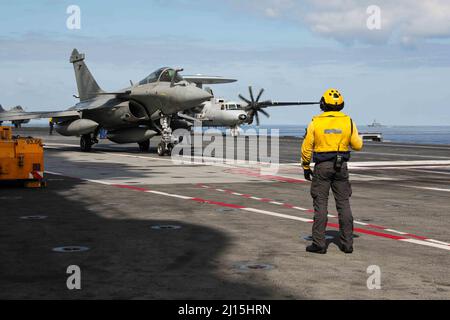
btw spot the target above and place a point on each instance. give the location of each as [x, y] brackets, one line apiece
[202, 259]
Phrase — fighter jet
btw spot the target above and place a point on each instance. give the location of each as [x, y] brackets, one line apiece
[218, 112]
[11, 112]
[130, 115]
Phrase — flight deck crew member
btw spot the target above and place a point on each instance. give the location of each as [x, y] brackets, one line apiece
[51, 125]
[328, 140]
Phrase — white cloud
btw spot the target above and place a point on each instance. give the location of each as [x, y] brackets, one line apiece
[402, 21]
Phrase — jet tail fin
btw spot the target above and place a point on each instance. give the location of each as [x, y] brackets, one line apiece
[87, 86]
[17, 109]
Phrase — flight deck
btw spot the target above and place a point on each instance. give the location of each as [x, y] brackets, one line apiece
[142, 227]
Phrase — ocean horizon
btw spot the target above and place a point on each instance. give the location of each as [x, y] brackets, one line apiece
[391, 133]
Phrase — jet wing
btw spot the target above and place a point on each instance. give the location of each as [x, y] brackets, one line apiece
[123, 93]
[200, 79]
[12, 116]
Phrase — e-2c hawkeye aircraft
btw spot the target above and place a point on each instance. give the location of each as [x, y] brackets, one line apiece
[218, 112]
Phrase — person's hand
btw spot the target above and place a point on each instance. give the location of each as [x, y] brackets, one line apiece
[308, 174]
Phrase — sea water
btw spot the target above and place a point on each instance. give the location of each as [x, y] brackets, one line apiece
[407, 134]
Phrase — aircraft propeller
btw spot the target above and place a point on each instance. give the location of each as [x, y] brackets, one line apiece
[254, 106]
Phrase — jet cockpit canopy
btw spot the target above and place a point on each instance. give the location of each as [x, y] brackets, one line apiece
[162, 75]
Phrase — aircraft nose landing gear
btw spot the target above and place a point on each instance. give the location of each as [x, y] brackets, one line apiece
[166, 145]
[164, 148]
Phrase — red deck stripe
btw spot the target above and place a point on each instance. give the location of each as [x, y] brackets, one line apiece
[123, 186]
[235, 206]
[385, 235]
[415, 236]
[371, 232]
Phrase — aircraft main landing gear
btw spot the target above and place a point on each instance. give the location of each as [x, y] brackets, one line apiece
[234, 131]
[144, 146]
[86, 142]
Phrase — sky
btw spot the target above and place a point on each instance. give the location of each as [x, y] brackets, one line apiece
[396, 71]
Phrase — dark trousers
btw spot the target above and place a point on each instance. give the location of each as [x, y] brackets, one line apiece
[326, 177]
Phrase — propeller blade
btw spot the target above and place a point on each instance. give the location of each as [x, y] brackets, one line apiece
[264, 112]
[244, 99]
[250, 90]
[259, 95]
[257, 119]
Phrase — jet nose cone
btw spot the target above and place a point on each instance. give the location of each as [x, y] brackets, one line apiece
[195, 96]
[242, 117]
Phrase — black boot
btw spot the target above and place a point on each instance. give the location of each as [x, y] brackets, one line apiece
[316, 249]
[346, 249]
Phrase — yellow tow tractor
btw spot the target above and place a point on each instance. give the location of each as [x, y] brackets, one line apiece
[21, 159]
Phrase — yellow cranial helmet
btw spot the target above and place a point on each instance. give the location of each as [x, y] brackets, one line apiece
[332, 99]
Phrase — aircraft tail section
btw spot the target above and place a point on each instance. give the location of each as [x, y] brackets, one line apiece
[87, 86]
[17, 109]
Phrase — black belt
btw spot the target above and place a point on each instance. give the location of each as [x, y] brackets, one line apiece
[319, 157]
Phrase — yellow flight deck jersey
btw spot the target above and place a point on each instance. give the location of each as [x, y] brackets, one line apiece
[327, 134]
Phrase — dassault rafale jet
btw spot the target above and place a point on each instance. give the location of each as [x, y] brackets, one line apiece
[156, 106]
[131, 115]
